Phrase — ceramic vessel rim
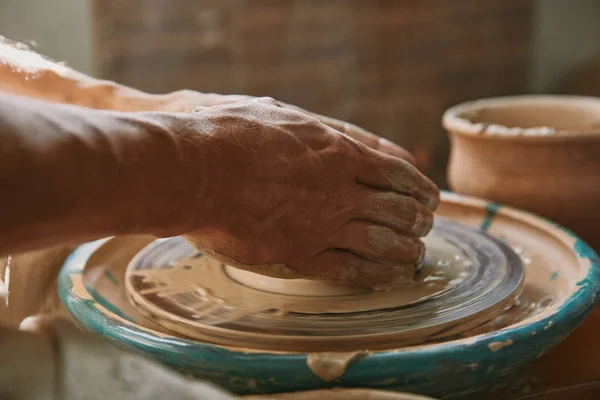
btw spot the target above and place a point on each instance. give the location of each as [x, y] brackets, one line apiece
[464, 127]
[569, 313]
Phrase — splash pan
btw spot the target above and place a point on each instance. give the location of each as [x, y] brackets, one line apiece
[560, 288]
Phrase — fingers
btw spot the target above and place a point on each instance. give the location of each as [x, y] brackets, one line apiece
[365, 137]
[378, 243]
[343, 266]
[401, 213]
[357, 133]
[390, 173]
[267, 100]
[214, 99]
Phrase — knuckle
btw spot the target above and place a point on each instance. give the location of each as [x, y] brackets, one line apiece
[267, 100]
[182, 93]
[349, 128]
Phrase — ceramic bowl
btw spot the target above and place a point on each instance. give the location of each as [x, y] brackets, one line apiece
[562, 283]
[538, 153]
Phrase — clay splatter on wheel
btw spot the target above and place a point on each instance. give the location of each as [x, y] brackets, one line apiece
[466, 279]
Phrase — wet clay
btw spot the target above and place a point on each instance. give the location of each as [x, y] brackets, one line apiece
[280, 271]
[495, 346]
[553, 273]
[535, 297]
[216, 283]
[197, 296]
[544, 286]
[330, 366]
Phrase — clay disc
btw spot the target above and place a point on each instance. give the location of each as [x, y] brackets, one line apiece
[467, 279]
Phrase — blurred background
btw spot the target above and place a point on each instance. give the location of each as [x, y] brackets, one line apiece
[391, 66]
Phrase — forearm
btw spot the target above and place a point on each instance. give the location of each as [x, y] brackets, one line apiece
[70, 173]
[27, 73]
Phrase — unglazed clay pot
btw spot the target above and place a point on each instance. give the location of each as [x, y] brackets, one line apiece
[538, 153]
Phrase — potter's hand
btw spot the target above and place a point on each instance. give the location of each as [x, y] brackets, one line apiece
[285, 188]
[26, 73]
[188, 100]
[258, 183]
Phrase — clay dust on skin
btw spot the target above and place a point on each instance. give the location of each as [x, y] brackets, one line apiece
[404, 181]
[29, 61]
[378, 206]
[438, 273]
[382, 240]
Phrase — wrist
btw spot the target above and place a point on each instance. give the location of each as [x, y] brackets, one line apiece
[146, 171]
[175, 182]
[164, 160]
[148, 174]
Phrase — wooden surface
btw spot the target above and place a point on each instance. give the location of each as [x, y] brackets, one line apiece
[391, 66]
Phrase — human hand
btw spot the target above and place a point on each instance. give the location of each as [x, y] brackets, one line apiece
[289, 195]
[188, 100]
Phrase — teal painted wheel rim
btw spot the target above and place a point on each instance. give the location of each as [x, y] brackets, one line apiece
[446, 369]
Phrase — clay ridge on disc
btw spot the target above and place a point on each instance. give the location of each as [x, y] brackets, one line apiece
[467, 279]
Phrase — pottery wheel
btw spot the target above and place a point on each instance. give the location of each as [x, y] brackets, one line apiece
[467, 278]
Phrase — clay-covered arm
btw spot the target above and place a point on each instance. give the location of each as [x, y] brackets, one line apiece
[26, 73]
[254, 183]
[71, 173]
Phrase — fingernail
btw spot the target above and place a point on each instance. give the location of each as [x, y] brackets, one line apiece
[422, 256]
[423, 224]
[434, 202]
